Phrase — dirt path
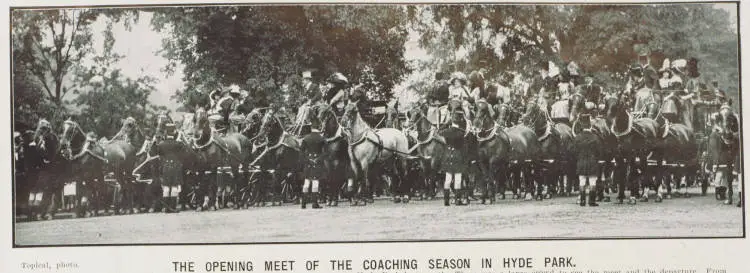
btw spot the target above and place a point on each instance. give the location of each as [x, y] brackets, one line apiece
[384, 220]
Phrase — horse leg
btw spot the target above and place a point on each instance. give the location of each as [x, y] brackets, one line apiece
[483, 181]
[619, 178]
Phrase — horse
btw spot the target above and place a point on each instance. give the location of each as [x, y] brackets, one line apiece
[279, 161]
[96, 159]
[525, 154]
[676, 152]
[335, 153]
[493, 153]
[369, 148]
[723, 152]
[556, 140]
[593, 120]
[147, 168]
[636, 139]
[232, 150]
[430, 146]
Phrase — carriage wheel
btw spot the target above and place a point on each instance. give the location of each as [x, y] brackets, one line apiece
[288, 194]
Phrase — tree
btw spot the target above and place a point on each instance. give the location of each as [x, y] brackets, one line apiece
[229, 45]
[109, 98]
[598, 37]
[55, 41]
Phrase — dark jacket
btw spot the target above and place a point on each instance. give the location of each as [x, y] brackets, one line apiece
[312, 156]
[651, 77]
[455, 160]
[592, 93]
[171, 156]
[589, 149]
[440, 92]
[313, 93]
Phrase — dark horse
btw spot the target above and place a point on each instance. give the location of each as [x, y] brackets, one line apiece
[556, 140]
[336, 155]
[216, 152]
[676, 153]
[524, 155]
[278, 161]
[636, 139]
[45, 170]
[494, 152]
[430, 146]
[98, 159]
[598, 126]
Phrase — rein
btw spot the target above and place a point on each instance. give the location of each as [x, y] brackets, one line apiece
[85, 150]
[377, 144]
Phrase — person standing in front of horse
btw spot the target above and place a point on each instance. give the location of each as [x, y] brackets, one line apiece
[588, 152]
[455, 163]
[171, 155]
[313, 166]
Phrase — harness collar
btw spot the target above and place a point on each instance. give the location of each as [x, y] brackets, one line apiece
[547, 132]
[627, 131]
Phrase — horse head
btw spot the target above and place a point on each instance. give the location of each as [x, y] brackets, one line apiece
[350, 116]
[483, 119]
[271, 126]
[612, 104]
[43, 128]
[130, 127]
[576, 104]
[327, 119]
[201, 126]
[252, 123]
[730, 125]
[72, 132]
[535, 116]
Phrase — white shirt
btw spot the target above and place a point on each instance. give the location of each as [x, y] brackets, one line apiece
[458, 92]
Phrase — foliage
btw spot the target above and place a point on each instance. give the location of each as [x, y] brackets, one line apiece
[109, 92]
[49, 49]
[599, 38]
[267, 45]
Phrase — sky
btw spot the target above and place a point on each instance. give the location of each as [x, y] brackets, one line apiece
[141, 44]
[140, 47]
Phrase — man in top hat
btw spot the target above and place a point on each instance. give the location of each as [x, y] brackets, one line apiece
[312, 161]
[650, 76]
[439, 92]
[171, 167]
[313, 94]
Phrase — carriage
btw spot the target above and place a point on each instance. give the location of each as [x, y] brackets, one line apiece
[704, 105]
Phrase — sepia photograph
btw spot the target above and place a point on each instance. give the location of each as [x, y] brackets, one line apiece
[345, 123]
